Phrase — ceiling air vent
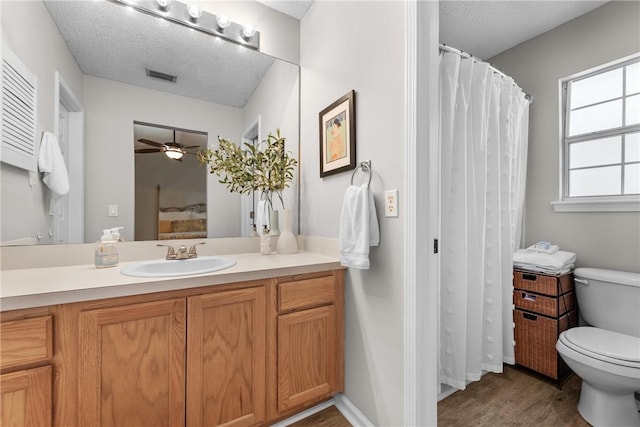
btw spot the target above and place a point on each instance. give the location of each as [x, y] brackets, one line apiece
[18, 113]
[161, 76]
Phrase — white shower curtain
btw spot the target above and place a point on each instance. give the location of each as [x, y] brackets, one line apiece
[484, 121]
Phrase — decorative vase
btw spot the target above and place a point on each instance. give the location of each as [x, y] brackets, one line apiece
[287, 242]
[275, 225]
[265, 243]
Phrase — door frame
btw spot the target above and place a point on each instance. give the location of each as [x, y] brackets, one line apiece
[63, 94]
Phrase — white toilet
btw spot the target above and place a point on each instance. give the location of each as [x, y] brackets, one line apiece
[606, 355]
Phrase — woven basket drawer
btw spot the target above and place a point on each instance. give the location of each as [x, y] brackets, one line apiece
[536, 338]
[542, 284]
[541, 304]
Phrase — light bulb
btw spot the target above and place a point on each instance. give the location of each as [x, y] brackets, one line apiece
[195, 11]
[248, 31]
[163, 4]
[223, 21]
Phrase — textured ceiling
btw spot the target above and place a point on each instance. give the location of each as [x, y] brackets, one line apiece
[113, 42]
[293, 8]
[487, 28]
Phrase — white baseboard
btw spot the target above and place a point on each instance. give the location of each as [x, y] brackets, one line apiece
[304, 414]
[350, 411]
[344, 405]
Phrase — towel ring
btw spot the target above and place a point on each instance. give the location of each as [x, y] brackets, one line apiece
[366, 167]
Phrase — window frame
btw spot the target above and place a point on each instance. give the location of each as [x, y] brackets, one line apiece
[609, 203]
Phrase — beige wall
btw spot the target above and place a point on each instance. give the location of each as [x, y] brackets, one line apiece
[29, 31]
[342, 49]
[605, 240]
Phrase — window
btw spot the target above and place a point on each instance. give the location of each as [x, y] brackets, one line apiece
[601, 135]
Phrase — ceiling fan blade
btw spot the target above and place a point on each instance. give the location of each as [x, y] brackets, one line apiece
[148, 150]
[191, 146]
[149, 142]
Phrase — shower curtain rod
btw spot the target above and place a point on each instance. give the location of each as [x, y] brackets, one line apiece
[446, 48]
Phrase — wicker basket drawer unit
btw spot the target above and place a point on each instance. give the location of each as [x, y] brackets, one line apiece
[536, 338]
[545, 306]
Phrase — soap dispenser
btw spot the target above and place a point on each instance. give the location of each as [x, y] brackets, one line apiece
[106, 250]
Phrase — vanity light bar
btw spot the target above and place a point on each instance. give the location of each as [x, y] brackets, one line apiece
[178, 12]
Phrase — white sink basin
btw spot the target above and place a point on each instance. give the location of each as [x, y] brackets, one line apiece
[182, 267]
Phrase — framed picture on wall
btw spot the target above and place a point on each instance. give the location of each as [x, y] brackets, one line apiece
[338, 136]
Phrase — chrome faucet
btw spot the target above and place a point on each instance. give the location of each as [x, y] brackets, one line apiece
[182, 252]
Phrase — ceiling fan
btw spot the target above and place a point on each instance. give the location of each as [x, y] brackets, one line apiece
[173, 150]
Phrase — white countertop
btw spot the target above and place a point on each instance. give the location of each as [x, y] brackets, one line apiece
[36, 287]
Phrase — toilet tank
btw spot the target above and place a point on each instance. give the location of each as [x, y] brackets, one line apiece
[609, 299]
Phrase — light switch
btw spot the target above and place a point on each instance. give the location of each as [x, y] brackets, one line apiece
[391, 203]
[113, 210]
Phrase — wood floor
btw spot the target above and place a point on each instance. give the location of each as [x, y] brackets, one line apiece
[513, 398]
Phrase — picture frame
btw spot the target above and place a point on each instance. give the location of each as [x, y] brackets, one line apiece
[337, 126]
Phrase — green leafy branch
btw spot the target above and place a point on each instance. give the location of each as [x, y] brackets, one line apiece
[267, 167]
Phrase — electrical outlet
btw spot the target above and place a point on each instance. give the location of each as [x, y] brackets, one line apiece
[113, 210]
[391, 203]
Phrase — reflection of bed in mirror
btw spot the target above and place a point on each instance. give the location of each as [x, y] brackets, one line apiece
[181, 222]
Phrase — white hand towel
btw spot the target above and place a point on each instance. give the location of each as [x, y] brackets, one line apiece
[262, 216]
[51, 162]
[358, 227]
[544, 249]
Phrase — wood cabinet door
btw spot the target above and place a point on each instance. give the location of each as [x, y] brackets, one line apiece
[306, 356]
[131, 367]
[226, 358]
[26, 398]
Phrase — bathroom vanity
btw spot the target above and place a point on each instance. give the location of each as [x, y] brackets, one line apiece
[246, 346]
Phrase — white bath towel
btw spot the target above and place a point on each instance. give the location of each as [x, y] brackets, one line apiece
[358, 227]
[51, 162]
[263, 217]
[556, 263]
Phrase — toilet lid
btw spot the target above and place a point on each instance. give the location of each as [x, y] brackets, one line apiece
[613, 345]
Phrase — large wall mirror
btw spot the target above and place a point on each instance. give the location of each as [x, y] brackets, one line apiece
[220, 89]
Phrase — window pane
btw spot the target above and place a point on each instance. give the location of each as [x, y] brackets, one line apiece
[598, 88]
[595, 182]
[632, 179]
[632, 147]
[632, 112]
[597, 152]
[633, 78]
[598, 117]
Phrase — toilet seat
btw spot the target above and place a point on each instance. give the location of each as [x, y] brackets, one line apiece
[603, 345]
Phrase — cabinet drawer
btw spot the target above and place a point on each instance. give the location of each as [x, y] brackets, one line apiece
[543, 284]
[306, 293]
[25, 342]
[549, 306]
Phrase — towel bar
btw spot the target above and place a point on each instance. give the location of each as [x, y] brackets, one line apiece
[366, 167]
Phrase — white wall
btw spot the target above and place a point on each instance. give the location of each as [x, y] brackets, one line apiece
[604, 240]
[29, 31]
[342, 48]
[111, 108]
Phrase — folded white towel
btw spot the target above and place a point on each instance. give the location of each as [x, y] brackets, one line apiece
[263, 217]
[544, 249]
[358, 227]
[51, 162]
[558, 261]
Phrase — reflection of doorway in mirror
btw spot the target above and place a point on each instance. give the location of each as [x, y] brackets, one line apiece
[170, 194]
[249, 202]
[60, 207]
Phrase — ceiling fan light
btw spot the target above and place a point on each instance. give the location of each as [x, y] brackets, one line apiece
[173, 153]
